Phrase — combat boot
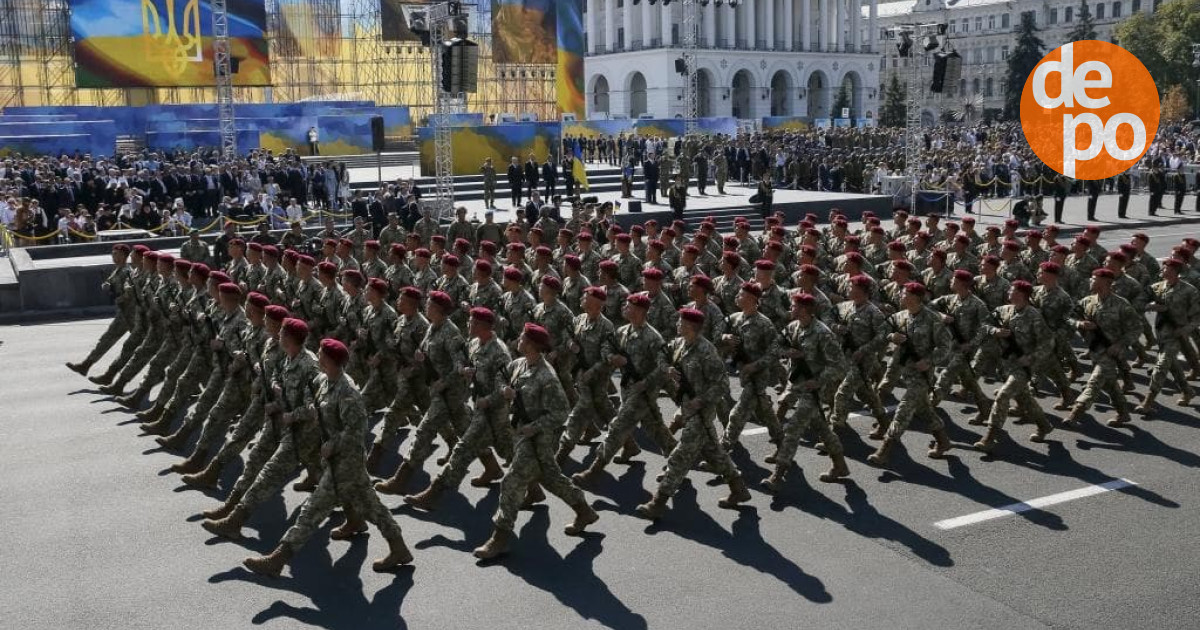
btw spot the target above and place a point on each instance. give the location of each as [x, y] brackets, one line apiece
[1043, 429]
[773, 483]
[308, 484]
[676, 424]
[270, 565]
[990, 440]
[1185, 399]
[374, 456]
[628, 452]
[533, 495]
[351, 528]
[173, 442]
[563, 454]
[1147, 405]
[590, 474]
[113, 389]
[229, 527]
[980, 419]
[193, 464]
[426, 499]
[654, 508]
[133, 399]
[772, 458]
[584, 516]
[1067, 400]
[398, 556]
[224, 509]
[1073, 418]
[206, 478]
[589, 434]
[1121, 420]
[880, 456]
[495, 546]
[491, 470]
[941, 444]
[395, 484]
[838, 471]
[160, 427]
[738, 493]
[879, 431]
[80, 368]
[147, 416]
[103, 379]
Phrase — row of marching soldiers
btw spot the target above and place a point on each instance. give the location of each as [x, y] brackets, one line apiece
[298, 356]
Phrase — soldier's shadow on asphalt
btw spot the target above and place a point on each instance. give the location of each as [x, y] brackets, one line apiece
[744, 543]
[334, 587]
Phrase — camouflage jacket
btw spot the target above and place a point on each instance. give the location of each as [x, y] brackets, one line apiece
[629, 269]
[993, 292]
[489, 360]
[1030, 335]
[775, 305]
[407, 336]
[446, 351]
[379, 324]
[515, 311]
[572, 292]
[1117, 320]
[253, 280]
[970, 316]
[558, 320]
[642, 348]
[232, 333]
[296, 378]
[755, 341]
[595, 339]
[398, 277]
[702, 371]
[454, 286]
[541, 394]
[928, 337]
[714, 321]
[1055, 306]
[938, 282]
[1183, 307]
[821, 353]
[616, 293]
[374, 268]
[662, 315]
[862, 328]
[343, 422]
[306, 303]
[488, 295]
[725, 290]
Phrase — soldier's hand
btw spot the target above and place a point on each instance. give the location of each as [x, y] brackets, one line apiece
[419, 356]
[257, 367]
[361, 332]
[295, 304]
[1003, 333]
[288, 418]
[509, 394]
[467, 372]
[729, 339]
[897, 337]
[794, 353]
[922, 365]
[674, 375]
[216, 344]
[482, 404]
[947, 319]
[1087, 325]
[617, 361]
[326, 450]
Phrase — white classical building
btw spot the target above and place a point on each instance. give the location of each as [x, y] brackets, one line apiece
[983, 32]
[762, 58]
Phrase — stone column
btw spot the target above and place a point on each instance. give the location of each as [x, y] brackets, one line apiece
[805, 25]
[789, 24]
[627, 24]
[823, 26]
[873, 26]
[593, 32]
[610, 25]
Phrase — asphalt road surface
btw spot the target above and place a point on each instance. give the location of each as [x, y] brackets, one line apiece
[98, 535]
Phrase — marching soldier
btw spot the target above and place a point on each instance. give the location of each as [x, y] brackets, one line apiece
[117, 284]
[1109, 326]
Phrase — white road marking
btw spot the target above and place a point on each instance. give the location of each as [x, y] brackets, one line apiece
[853, 416]
[1033, 504]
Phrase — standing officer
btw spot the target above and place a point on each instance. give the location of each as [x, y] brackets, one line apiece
[1124, 187]
[1179, 183]
[488, 170]
[650, 179]
[1157, 182]
[1093, 191]
[516, 181]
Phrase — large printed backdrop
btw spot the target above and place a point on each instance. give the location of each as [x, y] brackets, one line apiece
[524, 31]
[164, 43]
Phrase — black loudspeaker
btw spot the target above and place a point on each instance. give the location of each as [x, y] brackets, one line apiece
[377, 133]
[680, 66]
[592, 199]
[947, 68]
[635, 206]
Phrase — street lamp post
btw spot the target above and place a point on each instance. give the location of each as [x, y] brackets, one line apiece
[1196, 64]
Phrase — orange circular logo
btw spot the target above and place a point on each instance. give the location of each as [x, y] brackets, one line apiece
[1089, 109]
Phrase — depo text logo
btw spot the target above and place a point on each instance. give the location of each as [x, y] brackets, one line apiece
[1089, 109]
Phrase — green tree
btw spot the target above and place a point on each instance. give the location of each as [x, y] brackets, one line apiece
[1084, 28]
[1025, 56]
[1175, 105]
[1163, 40]
[894, 109]
[842, 101]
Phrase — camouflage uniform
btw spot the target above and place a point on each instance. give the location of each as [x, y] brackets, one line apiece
[380, 387]
[1056, 307]
[516, 309]
[662, 315]
[641, 380]
[196, 308]
[545, 405]
[120, 287]
[928, 340]
[1030, 342]
[446, 351]
[158, 348]
[757, 355]
[489, 296]
[242, 342]
[459, 290]
[229, 331]
[1173, 326]
[967, 331]
[702, 373]
[489, 425]
[821, 356]
[559, 322]
[864, 331]
[593, 407]
[1117, 323]
[264, 361]
[344, 479]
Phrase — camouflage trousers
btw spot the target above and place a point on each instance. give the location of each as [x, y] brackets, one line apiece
[564, 367]
[188, 364]
[752, 403]
[806, 414]
[137, 335]
[358, 370]
[855, 384]
[1103, 378]
[447, 415]
[345, 484]
[1015, 388]
[262, 452]
[699, 438]
[379, 388]
[231, 404]
[533, 460]
[155, 353]
[411, 399]
[1064, 353]
[636, 409]
[116, 329]
[1167, 363]
[959, 370]
[986, 362]
[592, 408]
[915, 401]
[489, 428]
[248, 425]
[297, 447]
[209, 395]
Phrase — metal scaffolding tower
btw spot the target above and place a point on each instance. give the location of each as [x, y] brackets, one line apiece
[224, 76]
[691, 92]
[445, 104]
[917, 56]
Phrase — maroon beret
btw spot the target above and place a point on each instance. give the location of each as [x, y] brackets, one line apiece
[291, 255]
[803, 299]
[326, 268]
[443, 300]
[229, 288]
[915, 288]
[379, 285]
[810, 270]
[121, 247]
[518, 248]
[1022, 286]
[514, 274]
[600, 293]
[201, 269]
[141, 249]
[295, 328]
[1174, 263]
[640, 300]
[861, 281]
[257, 299]
[537, 335]
[585, 237]
[219, 277]
[277, 312]
[1104, 272]
[398, 250]
[488, 247]
[608, 266]
[484, 315]
[624, 238]
[753, 288]
[462, 244]
[692, 316]
[412, 293]
[450, 260]
[732, 259]
[903, 264]
[764, 265]
[704, 282]
[572, 261]
[335, 350]
[1051, 267]
[653, 273]
[962, 275]
[305, 259]
[181, 265]
[542, 250]
[424, 253]
[552, 282]
[484, 266]
[353, 275]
